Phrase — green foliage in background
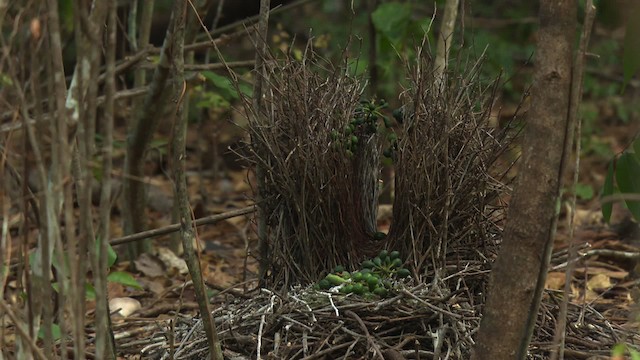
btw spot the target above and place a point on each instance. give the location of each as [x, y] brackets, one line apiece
[218, 92]
[623, 176]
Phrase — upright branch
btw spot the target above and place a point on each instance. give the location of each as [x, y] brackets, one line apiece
[519, 273]
[445, 39]
[178, 148]
[105, 344]
[141, 131]
[82, 103]
[258, 105]
[573, 132]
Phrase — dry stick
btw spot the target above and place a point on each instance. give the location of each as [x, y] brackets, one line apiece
[81, 101]
[442, 54]
[22, 332]
[187, 229]
[372, 5]
[58, 170]
[444, 41]
[619, 197]
[258, 103]
[370, 340]
[144, 125]
[175, 227]
[557, 351]
[105, 343]
[143, 41]
[244, 23]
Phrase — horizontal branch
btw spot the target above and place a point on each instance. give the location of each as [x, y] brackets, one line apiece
[175, 227]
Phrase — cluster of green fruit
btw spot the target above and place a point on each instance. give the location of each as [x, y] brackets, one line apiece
[375, 277]
[364, 123]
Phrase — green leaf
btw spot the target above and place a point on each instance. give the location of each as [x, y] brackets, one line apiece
[111, 256]
[635, 355]
[618, 350]
[224, 84]
[89, 292]
[392, 20]
[584, 191]
[607, 189]
[5, 80]
[65, 9]
[636, 147]
[628, 179]
[246, 89]
[123, 278]
[631, 56]
[55, 331]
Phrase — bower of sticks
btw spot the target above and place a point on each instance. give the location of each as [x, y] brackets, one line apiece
[318, 176]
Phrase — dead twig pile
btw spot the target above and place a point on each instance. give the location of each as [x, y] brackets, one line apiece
[319, 186]
[447, 185]
[424, 321]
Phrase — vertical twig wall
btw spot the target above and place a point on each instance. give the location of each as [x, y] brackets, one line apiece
[444, 181]
[319, 198]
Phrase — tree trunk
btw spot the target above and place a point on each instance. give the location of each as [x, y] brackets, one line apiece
[518, 275]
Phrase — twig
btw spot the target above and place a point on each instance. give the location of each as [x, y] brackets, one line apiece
[374, 345]
[263, 318]
[22, 332]
[258, 103]
[105, 342]
[175, 227]
[557, 351]
[430, 306]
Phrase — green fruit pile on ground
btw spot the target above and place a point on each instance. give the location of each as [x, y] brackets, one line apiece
[375, 278]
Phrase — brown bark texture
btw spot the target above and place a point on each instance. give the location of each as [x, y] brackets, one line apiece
[518, 275]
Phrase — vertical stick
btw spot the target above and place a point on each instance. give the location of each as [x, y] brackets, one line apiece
[444, 40]
[261, 49]
[187, 228]
[573, 126]
[105, 344]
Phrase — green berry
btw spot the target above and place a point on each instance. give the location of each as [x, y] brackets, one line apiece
[380, 291]
[398, 115]
[346, 289]
[334, 135]
[358, 289]
[403, 273]
[368, 264]
[379, 236]
[334, 279]
[387, 122]
[324, 284]
[377, 261]
[372, 282]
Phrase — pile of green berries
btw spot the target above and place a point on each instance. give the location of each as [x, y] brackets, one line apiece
[374, 278]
